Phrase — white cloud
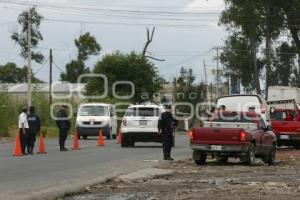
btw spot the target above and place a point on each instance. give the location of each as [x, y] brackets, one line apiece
[215, 5]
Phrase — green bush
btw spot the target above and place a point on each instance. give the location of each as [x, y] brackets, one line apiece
[9, 108]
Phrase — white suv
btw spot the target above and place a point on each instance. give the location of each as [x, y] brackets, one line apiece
[140, 124]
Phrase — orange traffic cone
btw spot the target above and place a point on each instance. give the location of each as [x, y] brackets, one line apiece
[120, 137]
[42, 147]
[76, 141]
[17, 149]
[100, 139]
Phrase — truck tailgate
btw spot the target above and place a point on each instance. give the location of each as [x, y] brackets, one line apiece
[286, 127]
[216, 135]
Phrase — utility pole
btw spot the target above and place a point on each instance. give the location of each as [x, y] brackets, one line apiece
[211, 93]
[205, 74]
[29, 61]
[217, 72]
[229, 85]
[268, 47]
[217, 65]
[50, 77]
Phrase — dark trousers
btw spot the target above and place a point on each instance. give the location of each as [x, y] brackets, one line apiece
[23, 139]
[63, 133]
[167, 141]
[31, 141]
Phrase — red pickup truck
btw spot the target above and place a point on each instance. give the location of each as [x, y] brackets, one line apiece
[287, 131]
[234, 134]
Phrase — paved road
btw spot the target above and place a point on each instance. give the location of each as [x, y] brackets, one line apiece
[46, 176]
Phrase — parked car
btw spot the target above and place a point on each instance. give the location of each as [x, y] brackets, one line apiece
[139, 124]
[234, 134]
[92, 117]
[287, 132]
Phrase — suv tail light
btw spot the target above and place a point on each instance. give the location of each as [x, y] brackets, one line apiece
[243, 136]
[124, 122]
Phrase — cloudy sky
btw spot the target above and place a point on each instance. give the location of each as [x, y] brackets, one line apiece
[186, 30]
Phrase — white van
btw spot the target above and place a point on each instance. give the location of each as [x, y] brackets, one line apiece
[91, 117]
[246, 103]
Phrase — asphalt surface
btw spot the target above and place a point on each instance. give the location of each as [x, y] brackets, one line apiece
[56, 173]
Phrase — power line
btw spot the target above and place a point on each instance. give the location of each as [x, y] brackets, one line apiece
[175, 55]
[7, 23]
[43, 65]
[56, 49]
[131, 13]
[57, 67]
[126, 16]
[128, 24]
[109, 10]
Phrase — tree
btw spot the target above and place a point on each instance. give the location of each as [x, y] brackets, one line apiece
[284, 65]
[86, 46]
[271, 30]
[187, 91]
[10, 73]
[245, 16]
[126, 67]
[36, 36]
[266, 20]
[291, 9]
[149, 40]
[238, 60]
[73, 70]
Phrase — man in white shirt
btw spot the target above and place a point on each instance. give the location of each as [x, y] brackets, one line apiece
[23, 129]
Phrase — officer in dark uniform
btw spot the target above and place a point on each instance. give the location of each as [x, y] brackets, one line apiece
[166, 126]
[63, 124]
[34, 123]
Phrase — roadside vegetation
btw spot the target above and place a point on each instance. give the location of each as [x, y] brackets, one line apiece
[117, 66]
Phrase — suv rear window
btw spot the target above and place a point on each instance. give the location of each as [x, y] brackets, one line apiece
[145, 112]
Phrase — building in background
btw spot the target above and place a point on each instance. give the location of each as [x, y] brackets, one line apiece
[59, 90]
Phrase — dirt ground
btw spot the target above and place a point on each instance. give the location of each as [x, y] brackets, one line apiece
[228, 181]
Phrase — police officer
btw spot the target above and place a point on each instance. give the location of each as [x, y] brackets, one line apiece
[34, 128]
[166, 126]
[63, 124]
[23, 129]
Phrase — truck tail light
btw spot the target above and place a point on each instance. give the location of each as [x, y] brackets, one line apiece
[190, 134]
[124, 122]
[243, 136]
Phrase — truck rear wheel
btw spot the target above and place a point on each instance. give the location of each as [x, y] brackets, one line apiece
[270, 158]
[250, 157]
[202, 160]
[199, 157]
